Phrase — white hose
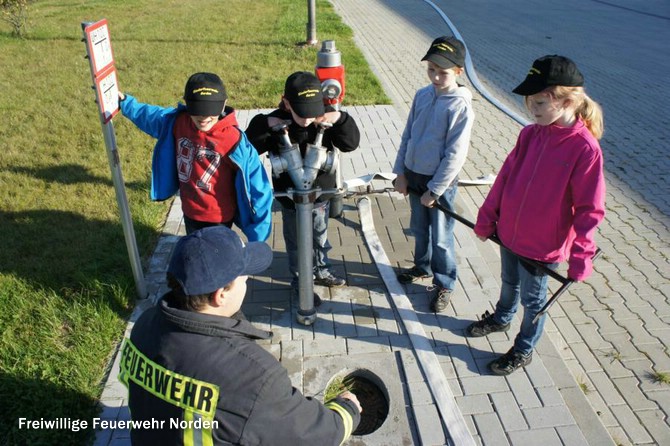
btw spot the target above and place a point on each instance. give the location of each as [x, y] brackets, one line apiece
[439, 386]
[472, 75]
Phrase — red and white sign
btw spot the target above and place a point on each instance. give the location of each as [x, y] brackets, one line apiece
[99, 46]
[107, 89]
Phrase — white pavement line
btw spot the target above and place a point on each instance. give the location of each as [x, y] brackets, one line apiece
[365, 180]
[444, 398]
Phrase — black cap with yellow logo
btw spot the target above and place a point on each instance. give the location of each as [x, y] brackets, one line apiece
[549, 71]
[205, 95]
[303, 91]
[446, 52]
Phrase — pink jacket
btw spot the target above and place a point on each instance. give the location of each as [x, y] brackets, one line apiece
[549, 197]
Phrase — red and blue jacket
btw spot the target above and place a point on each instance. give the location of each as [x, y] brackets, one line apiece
[253, 189]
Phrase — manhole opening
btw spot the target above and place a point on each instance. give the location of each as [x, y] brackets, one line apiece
[371, 394]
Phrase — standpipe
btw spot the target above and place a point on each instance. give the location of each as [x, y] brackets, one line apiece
[303, 172]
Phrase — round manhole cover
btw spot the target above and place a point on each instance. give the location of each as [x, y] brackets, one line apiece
[372, 396]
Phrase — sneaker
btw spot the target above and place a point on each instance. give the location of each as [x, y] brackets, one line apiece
[485, 326]
[441, 300]
[330, 281]
[412, 275]
[509, 362]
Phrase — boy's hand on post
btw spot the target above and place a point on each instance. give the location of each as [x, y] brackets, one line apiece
[400, 184]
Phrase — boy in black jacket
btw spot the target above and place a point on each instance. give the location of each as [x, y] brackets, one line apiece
[302, 108]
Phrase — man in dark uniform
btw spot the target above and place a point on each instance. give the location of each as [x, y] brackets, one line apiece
[196, 376]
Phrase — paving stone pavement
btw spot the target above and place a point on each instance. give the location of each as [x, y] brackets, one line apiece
[594, 376]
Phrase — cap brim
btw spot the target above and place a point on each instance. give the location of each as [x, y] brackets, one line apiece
[258, 257]
[309, 109]
[440, 61]
[205, 108]
[529, 88]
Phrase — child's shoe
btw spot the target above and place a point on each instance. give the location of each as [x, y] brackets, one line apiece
[329, 280]
[485, 326]
[509, 362]
[412, 275]
[441, 300]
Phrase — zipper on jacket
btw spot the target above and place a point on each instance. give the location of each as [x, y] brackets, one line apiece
[431, 111]
[525, 194]
[244, 182]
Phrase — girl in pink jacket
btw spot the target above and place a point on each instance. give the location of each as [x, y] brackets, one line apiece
[546, 202]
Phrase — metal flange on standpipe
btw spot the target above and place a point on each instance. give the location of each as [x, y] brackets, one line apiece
[306, 317]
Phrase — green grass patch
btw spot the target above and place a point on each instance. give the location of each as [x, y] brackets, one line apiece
[66, 286]
[338, 385]
[659, 377]
[584, 385]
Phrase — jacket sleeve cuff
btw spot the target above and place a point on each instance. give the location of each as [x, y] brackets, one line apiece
[343, 118]
[484, 230]
[127, 100]
[346, 409]
[579, 269]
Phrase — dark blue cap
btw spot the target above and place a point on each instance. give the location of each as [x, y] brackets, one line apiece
[211, 258]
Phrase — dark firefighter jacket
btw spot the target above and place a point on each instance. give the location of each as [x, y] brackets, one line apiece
[209, 383]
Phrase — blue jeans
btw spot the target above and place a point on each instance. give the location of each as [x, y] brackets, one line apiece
[433, 234]
[320, 243]
[526, 284]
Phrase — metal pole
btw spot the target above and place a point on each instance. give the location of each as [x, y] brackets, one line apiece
[566, 282]
[560, 291]
[119, 185]
[307, 312]
[311, 22]
[122, 201]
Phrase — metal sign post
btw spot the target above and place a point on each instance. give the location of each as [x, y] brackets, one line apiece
[311, 23]
[103, 73]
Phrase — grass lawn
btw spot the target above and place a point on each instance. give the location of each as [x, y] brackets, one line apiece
[66, 286]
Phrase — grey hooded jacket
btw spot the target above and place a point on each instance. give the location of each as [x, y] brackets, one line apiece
[435, 141]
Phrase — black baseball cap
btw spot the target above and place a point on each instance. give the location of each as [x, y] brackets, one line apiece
[549, 71]
[446, 52]
[303, 92]
[205, 95]
[211, 258]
